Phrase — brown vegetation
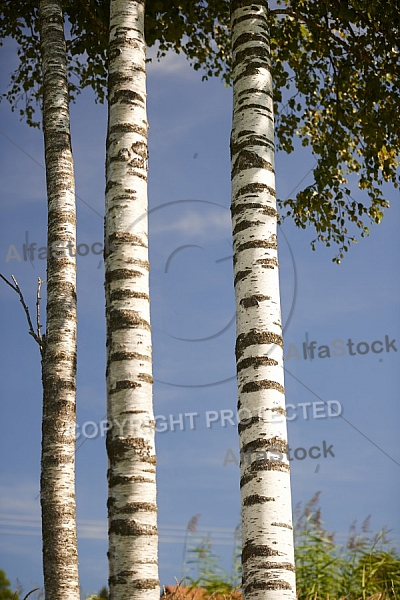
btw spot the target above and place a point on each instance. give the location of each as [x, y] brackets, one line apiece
[177, 592]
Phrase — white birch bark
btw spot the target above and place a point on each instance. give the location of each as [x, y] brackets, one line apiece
[268, 552]
[57, 492]
[132, 508]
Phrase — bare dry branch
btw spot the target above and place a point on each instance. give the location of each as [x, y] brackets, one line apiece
[38, 299]
[16, 288]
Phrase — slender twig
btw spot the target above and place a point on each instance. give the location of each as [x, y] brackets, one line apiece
[38, 299]
[16, 288]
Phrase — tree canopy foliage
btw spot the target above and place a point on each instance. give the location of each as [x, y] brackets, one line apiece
[197, 29]
[340, 65]
[336, 69]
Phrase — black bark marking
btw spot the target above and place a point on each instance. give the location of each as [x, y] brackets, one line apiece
[246, 423]
[246, 159]
[276, 584]
[252, 68]
[62, 409]
[269, 465]
[139, 163]
[271, 565]
[138, 174]
[57, 219]
[121, 237]
[65, 289]
[282, 525]
[124, 128]
[256, 499]
[57, 357]
[256, 338]
[268, 263]
[116, 80]
[251, 550]
[137, 584]
[121, 274]
[237, 145]
[243, 207]
[253, 300]
[264, 384]
[139, 263]
[125, 385]
[127, 293]
[257, 188]
[55, 386]
[145, 377]
[250, 93]
[127, 97]
[123, 319]
[130, 507]
[253, 55]
[260, 109]
[274, 443]
[117, 356]
[123, 156]
[256, 362]
[242, 225]
[249, 301]
[55, 460]
[241, 275]
[245, 38]
[110, 185]
[118, 447]
[114, 480]
[263, 465]
[131, 528]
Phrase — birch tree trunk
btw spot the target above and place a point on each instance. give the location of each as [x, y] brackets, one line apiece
[132, 508]
[268, 553]
[57, 495]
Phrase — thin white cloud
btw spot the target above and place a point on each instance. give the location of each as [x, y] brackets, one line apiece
[170, 64]
[196, 224]
[18, 498]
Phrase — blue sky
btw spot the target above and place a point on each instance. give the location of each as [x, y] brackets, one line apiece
[193, 340]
